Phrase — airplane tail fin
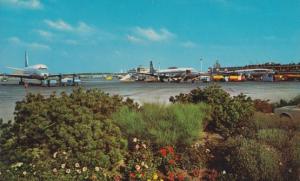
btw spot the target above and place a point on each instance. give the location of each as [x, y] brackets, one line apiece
[26, 59]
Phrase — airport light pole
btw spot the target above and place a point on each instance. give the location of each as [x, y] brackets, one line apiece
[201, 62]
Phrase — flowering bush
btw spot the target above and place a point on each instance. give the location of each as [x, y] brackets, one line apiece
[140, 161]
[77, 123]
[168, 164]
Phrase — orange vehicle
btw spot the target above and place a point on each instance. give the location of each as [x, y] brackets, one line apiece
[236, 78]
[218, 77]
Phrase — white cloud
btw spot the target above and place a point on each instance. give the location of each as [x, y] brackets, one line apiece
[84, 28]
[133, 39]
[14, 40]
[154, 35]
[61, 25]
[26, 4]
[45, 34]
[189, 44]
[34, 45]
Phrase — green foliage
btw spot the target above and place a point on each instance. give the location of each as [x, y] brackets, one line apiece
[78, 124]
[230, 116]
[176, 124]
[292, 102]
[277, 138]
[246, 159]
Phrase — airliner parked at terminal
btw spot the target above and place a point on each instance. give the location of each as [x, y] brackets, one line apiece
[38, 71]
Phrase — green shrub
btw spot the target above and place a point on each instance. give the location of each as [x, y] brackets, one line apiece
[77, 125]
[246, 159]
[175, 124]
[275, 137]
[230, 116]
[291, 102]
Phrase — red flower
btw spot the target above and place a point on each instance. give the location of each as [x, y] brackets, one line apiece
[132, 175]
[180, 177]
[117, 178]
[171, 149]
[171, 176]
[163, 152]
[172, 162]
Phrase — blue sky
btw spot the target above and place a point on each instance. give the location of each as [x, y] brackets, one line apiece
[114, 35]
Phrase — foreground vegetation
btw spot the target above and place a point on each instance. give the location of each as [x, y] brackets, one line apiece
[205, 134]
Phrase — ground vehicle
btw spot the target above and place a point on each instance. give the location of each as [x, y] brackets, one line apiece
[292, 112]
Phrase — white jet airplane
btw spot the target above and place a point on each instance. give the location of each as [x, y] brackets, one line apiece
[38, 71]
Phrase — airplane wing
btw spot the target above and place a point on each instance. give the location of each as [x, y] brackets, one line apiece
[19, 76]
[19, 69]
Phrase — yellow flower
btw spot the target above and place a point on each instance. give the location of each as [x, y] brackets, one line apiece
[148, 180]
[155, 176]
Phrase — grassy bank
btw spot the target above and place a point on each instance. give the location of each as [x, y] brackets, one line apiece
[205, 134]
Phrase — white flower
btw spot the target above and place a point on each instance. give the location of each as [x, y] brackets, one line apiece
[137, 167]
[137, 147]
[19, 164]
[24, 173]
[146, 166]
[97, 169]
[135, 140]
[34, 173]
[63, 165]
[78, 171]
[143, 163]
[54, 170]
[290, 170]
[77, 165]
[224, 172]
[64, 152]
[144, 145]
[54, 155]
[84, 169]
[68, 171]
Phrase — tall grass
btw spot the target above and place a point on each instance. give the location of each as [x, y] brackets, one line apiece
[277, 138]
[269, 121]
[177, 124]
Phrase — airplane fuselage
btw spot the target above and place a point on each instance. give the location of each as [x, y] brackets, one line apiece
[36, 71]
